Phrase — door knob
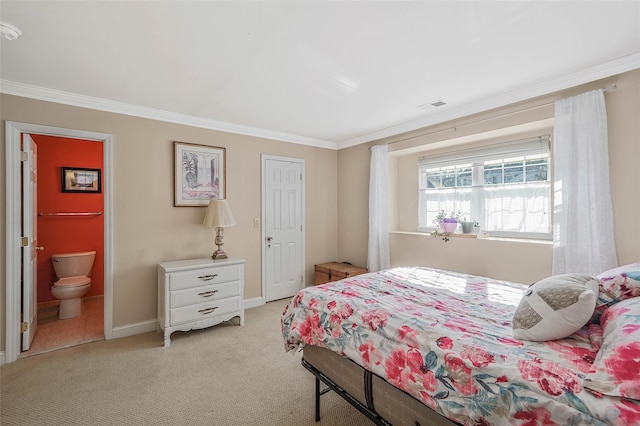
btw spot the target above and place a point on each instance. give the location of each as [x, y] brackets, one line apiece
[40, 248]
[269, 241]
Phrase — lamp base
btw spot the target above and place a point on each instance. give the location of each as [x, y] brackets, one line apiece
[219, 254]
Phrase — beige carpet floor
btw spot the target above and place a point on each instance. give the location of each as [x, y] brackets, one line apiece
[224, 375]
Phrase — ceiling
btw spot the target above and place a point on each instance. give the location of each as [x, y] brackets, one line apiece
[331, 74]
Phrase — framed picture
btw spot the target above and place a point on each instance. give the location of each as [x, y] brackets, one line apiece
[76, 179]
[199, 174]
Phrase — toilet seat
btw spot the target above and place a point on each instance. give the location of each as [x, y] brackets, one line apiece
[72, 281]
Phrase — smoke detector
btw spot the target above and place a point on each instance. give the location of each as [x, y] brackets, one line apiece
[9, 31]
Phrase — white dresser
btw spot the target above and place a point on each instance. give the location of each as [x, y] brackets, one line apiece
[199, 293]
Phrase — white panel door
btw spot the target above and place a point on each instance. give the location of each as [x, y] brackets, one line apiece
[283, 228]
[30, 250]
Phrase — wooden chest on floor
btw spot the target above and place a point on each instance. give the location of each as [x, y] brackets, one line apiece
[334, 271]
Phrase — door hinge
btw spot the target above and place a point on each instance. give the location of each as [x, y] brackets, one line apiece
[302, 279]
[24, 241]
[24, 156]
[24, 326]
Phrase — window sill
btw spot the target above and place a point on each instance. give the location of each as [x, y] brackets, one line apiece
[457, 235]
[477, 237]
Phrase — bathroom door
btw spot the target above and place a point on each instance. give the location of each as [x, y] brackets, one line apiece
[29, 250]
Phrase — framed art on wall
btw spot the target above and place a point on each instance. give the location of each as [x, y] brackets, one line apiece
[79, 179]
[199, 174]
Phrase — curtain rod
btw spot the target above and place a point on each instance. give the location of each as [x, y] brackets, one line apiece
[610, 88]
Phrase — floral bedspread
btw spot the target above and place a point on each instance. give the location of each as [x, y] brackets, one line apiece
[446, 339]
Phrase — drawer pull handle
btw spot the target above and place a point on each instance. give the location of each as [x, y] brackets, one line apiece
[207, 310]
[208, 293]
[207, 277]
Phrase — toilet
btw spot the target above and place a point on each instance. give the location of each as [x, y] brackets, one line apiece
[73, 271]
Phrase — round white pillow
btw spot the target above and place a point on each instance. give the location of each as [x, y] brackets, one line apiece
[555, 307]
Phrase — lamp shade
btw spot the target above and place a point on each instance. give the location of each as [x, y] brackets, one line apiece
[218, 215]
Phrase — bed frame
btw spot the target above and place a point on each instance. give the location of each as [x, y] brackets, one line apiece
[381, 402]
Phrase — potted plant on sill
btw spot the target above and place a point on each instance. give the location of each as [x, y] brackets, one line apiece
[446, 224]
[468, 227]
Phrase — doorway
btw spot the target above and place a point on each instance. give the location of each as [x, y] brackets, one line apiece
[69, 219]
[14, 288]
[283, 230]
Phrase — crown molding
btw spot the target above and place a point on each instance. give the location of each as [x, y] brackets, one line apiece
[603, 70]
[50, 95]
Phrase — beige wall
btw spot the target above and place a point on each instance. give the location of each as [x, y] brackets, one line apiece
[353, 205]
[147, 227]
[503, 259]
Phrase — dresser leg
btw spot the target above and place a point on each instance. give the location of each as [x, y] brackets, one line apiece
[240, 319]
[167, 340]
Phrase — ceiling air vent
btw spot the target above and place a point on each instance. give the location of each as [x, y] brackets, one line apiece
[430, 105]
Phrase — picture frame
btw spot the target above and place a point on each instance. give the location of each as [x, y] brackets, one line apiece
[81, 179]
[199, 174]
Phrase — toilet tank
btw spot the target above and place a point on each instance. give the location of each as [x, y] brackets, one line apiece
[73, 264]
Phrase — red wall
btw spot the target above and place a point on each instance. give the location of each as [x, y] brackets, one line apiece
[73, 233]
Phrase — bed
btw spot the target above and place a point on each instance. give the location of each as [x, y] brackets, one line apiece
[422, 346]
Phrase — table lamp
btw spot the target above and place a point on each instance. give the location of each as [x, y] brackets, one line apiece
[219, 216]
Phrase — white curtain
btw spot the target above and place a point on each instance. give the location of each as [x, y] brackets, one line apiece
[378, 257]
[583, 237]
[504, 208]
[516, 207]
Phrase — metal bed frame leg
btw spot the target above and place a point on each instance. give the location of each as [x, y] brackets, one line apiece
[368, 410]
[331, 386]
[317, 399]
[319, 393]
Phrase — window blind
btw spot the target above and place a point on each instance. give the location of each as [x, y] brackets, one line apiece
[538, 145]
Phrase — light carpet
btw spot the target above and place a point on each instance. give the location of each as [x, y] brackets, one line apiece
[223, 375]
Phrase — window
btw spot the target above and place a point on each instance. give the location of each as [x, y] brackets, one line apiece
[505, 187]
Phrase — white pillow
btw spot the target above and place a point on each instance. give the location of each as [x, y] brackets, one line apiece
[555, 307]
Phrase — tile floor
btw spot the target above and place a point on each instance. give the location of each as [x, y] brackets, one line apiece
[54, 333]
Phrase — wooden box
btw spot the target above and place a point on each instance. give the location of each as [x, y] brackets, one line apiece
[335, 271]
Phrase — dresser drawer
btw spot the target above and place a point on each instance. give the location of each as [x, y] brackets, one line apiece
[193, 296]
[205, 310]
[204, 276]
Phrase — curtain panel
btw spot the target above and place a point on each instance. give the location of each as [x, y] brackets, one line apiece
[583, 228]
[378, 254]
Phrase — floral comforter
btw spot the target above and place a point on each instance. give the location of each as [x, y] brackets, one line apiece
[446, 339]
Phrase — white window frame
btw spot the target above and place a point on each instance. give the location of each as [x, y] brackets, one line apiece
[476, 158]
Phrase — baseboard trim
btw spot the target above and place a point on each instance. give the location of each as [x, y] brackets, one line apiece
[133, 329]
[152, 325]
[252, 303]
[48, 304]
[51, 303]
